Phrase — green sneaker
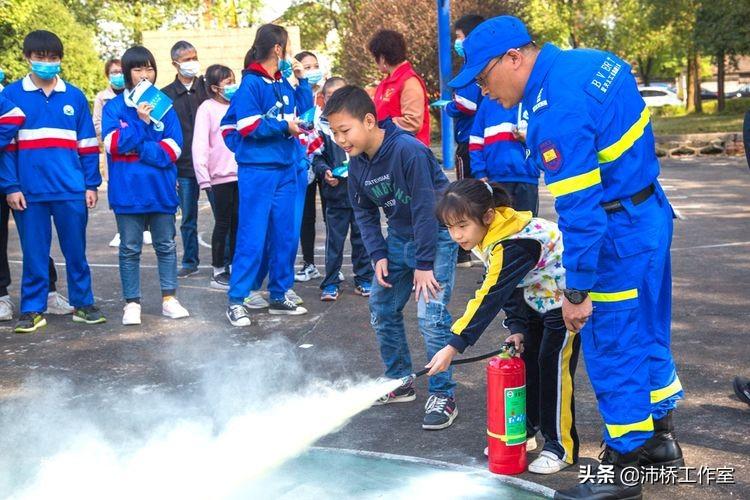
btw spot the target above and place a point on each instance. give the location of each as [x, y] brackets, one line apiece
[91, 315]
[30, 322]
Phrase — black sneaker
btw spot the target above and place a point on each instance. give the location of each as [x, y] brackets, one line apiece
[220, 281]
[464, 258]
[30, 322]
[237, 315]
[742, 389]
[403, 394]
[186, 273]
[286, 306]
[439, 412]
[91, 315]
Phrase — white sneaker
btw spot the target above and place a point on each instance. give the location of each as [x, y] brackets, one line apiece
[292, 295]
[308, 272]
[6, 308]
[172, 308]
[58, 305]
[530, 446]
[341, 276]
[147, 237]
[547, 463]
[115, 241]
[255, 300]
[131, 314]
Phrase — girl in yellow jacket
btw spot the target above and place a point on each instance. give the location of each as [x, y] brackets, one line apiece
[525, 277]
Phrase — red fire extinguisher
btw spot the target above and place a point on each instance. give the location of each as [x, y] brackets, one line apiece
[506, 413]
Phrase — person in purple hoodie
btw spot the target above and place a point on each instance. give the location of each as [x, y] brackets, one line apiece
[392, 170]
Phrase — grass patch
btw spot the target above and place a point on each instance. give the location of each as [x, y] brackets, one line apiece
[675, 121]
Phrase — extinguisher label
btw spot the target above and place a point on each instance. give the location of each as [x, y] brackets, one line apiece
[515, 415]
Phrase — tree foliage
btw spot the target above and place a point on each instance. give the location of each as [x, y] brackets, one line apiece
[80, 64]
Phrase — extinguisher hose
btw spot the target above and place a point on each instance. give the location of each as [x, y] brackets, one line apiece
[507, 347]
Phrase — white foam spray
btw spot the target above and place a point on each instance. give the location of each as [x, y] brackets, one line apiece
[190, 459]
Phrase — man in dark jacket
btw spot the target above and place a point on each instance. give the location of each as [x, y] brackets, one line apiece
[187, 91]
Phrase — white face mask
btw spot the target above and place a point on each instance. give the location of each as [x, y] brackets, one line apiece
[190, 69]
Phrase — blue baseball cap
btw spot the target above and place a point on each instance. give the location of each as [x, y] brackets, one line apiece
[491, 39]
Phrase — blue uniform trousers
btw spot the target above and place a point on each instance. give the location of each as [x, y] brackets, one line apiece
[626, 341]
[35, 231]
[266, 216]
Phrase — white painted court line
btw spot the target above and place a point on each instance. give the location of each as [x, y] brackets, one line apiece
[718, 245]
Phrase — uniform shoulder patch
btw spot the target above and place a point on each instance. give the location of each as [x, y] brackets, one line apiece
[603, 78]
[551, 156]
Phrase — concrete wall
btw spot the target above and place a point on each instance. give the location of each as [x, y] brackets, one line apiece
[217, 46]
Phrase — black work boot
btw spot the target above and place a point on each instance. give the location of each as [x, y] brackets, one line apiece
[662, 449]
[614, 484]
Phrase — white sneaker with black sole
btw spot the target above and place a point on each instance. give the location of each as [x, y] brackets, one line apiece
[307, 273]
[287, 307]
[439, 412]
[237, 315]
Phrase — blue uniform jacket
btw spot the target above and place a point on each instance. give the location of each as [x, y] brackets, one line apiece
[255, 126]
[495, 152]
[141, 159]
[590, 132]
[55, 155]
[462, 108]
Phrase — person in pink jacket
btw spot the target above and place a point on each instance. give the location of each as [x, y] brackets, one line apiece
[216, 170]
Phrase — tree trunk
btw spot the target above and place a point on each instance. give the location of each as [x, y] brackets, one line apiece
[697, 82]
[690, 87]
[720, 76]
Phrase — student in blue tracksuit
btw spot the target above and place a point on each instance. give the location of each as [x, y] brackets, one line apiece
[55, 176]
[141, 156]
[590, 132]
[393, 170]
[331, 165]
[462, 109]
[498, 155]
[261, 127]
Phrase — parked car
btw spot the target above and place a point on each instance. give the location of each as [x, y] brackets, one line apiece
[658, 96]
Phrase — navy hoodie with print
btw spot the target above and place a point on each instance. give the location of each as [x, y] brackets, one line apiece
[403, 178]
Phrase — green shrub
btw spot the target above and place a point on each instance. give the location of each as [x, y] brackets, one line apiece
[669, 111]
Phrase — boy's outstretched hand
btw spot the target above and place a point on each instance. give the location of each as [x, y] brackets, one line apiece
[441, 360]
[425, 285]
[381, 273]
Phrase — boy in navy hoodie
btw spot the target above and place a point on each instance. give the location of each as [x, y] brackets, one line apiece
[331, 166]
[392, 170]
[55, 175]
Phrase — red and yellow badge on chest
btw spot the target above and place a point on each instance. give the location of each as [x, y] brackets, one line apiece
[551, 156]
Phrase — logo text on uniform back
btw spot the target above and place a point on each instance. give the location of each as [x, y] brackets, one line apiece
[606, 74]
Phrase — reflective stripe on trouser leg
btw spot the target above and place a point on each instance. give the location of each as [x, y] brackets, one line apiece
[566, 431]
[655, 312]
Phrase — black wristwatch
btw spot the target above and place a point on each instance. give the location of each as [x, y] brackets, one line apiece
[575, 296]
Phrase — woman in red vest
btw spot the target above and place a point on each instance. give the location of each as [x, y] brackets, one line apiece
[402, 94]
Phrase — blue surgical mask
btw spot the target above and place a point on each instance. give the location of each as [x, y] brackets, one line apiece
[314, 76]
[285, 66]
[229, 90]
[45, 70]
[458, 46]
[117, 81]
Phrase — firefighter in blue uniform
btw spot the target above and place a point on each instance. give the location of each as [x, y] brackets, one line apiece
[589, 131]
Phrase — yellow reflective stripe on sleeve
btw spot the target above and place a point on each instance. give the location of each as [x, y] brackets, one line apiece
[490, 279]
[575, 183]
[617, 430]
[614, 151]
[665, 392]
[614, 296]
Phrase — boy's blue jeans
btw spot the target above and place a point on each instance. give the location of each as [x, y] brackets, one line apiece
[387, 305]
[131, 227]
